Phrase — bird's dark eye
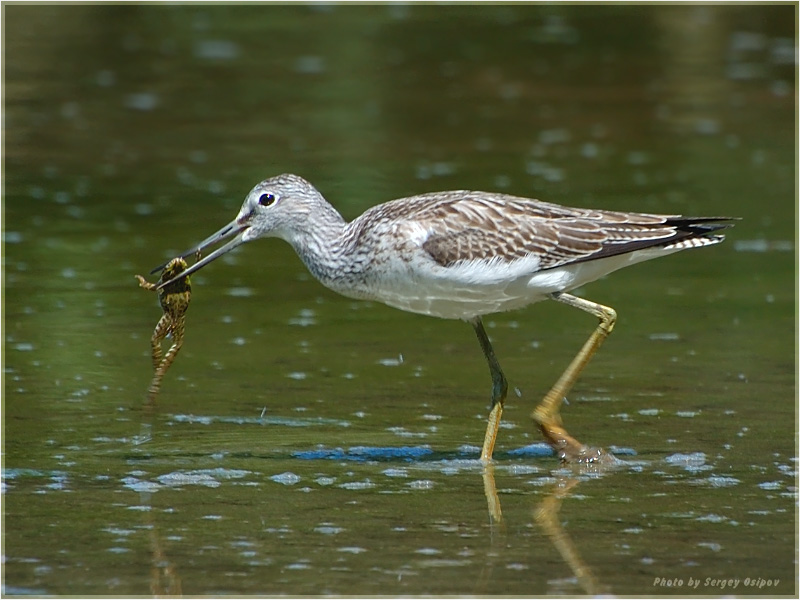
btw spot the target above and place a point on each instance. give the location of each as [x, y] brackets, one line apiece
[267, 199]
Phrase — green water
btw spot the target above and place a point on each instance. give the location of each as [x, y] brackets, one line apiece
[307, 444]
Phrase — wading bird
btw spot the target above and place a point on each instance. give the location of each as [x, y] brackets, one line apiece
[463, 255]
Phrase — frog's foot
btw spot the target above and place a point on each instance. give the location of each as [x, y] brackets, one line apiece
[143, 283]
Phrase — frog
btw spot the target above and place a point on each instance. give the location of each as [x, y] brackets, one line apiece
[174, 299]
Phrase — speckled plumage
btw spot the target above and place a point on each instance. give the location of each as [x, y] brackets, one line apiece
[458, 228]
[458, 254]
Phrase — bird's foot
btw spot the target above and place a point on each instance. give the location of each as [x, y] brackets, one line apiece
[570, 450]
[583, 455]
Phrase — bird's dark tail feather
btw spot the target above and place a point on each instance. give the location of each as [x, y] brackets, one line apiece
[700, 226]
[681, 232]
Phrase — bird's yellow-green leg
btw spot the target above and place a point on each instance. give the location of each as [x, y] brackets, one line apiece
[499, 390]
[547, 414]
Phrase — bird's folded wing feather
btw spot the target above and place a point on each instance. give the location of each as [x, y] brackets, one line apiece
[507, 228]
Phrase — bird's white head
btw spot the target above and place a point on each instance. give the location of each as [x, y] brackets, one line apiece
[276, 207]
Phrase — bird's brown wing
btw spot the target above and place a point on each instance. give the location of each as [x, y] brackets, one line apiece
[482, 226]
[465, 225]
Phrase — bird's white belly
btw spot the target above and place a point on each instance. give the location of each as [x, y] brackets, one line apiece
[469, 290]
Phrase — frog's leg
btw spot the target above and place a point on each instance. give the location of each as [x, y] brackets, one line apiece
[177, 342]
[159, 333]
[177, 330]
[143, 283]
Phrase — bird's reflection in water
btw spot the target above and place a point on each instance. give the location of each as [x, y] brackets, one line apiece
[545, 515]
[497, 532]
[165, 581]
[492, 499]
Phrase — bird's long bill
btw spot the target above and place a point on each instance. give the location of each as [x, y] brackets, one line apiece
[231, 229]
